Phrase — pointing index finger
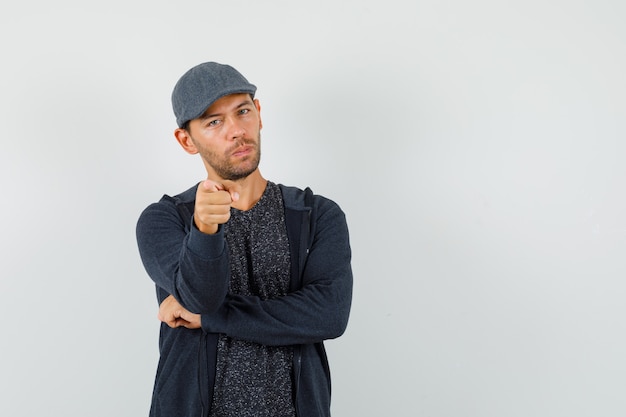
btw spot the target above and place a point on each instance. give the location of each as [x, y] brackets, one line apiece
[226, 185]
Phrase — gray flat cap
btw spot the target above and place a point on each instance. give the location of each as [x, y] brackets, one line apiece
[202, 85]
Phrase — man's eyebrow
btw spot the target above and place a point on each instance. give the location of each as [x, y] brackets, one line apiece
[209, 115]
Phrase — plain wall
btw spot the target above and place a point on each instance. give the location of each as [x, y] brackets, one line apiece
[477, 149]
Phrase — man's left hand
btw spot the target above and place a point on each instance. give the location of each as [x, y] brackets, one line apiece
[175, 315]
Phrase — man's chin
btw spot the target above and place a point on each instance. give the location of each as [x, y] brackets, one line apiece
[236, 176]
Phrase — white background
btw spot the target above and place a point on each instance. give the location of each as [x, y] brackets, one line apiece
[477, 149]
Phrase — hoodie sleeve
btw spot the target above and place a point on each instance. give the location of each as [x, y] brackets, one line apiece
[186, 263]
[319, 310]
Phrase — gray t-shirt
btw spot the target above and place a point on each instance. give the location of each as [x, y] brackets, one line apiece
[254, 380]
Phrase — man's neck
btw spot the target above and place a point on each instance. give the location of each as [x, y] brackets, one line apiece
[252, 188]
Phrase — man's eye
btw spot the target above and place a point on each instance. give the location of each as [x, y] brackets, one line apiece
[244, 111]
[213, 122]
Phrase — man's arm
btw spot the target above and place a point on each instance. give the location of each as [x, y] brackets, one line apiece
[319, 310]
[188, 264]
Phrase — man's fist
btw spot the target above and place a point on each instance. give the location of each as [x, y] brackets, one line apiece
[213, 201]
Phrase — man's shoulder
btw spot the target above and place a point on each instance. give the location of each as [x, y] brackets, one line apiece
[293, 196]
[303, 199]
[168, 206]
[187, 196]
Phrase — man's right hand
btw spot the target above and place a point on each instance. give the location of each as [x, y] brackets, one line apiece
[213, 201]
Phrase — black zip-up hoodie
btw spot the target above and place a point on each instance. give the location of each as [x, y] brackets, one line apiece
[194, 268]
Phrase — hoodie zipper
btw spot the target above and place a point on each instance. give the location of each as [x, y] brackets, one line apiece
[298, 365]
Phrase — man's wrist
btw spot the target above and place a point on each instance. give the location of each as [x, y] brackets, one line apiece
[209, 229]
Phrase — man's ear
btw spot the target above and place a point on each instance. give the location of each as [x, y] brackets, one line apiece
[184, 138]
[257, 104]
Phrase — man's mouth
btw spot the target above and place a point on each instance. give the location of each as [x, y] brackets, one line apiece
[242, 150]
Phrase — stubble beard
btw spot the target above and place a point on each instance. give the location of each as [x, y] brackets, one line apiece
[225, 169]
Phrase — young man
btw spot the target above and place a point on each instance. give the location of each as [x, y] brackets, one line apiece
[251, 276]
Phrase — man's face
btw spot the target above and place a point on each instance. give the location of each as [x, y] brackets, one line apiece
[228, 136]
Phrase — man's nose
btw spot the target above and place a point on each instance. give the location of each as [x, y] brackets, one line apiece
[235, 129]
